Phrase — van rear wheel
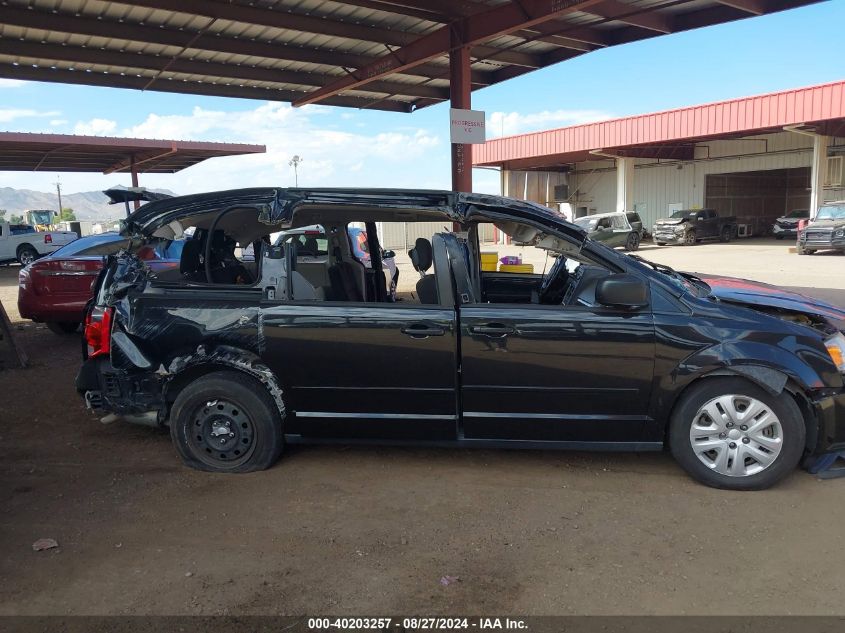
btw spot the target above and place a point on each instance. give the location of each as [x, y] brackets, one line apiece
[730, 433]
[226, 422]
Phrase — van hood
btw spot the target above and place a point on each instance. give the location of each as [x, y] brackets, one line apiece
[755, 293]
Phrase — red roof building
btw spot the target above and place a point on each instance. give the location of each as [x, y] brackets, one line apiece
[731, 155]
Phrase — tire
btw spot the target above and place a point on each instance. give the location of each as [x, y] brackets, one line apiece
[27, 255]
[689, 238]
[661, 243]
[242, 415]
[63, 328]
[726, 234]
[633, 242]
[778, 237]
[778, 445]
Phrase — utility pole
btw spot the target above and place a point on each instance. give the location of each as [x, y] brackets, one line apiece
[294, 162]
[59, 193]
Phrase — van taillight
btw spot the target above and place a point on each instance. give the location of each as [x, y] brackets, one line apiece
[98, 331]
[48, 239]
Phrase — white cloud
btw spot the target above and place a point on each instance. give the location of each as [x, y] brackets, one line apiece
[332, 157]
[11, 83]
[95, 127]
[337, 151]
[8, 115]
[58, 122]
[508, 123]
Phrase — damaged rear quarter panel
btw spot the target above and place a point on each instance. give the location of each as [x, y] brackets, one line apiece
[222, 357]
[165, 331]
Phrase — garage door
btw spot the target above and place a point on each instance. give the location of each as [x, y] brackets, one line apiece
[757, 198]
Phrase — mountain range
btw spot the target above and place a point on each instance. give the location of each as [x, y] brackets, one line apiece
[88, 205]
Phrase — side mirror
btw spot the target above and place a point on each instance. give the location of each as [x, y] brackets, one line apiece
[388, 255]
[622, 291]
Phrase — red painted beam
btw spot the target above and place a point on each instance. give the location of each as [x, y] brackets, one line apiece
[756, 7]
[473, 30]
[630, 14]
[460, 92]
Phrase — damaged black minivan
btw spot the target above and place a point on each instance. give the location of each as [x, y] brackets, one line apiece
[251, 344]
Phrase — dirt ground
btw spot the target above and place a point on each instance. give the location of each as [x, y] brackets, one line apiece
[353, 530]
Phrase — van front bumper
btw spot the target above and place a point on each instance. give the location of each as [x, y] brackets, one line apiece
[830, 414]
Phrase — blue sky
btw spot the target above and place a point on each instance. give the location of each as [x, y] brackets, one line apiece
[344, 147]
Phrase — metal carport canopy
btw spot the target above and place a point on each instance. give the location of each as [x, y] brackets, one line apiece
[21, 151]
[397, 55]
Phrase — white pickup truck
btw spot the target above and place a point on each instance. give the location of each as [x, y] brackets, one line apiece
[25, 244]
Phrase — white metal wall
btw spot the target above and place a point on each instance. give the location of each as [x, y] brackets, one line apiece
[400, 236]
[659, 184]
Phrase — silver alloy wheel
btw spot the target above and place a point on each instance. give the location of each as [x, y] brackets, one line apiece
[27, 257]
[736, 435]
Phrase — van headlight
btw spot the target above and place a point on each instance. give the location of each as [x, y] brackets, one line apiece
[839, 233]
[836, 348]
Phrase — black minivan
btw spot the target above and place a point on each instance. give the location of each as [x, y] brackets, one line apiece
[597, 351]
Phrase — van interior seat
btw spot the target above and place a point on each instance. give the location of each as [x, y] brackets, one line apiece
[316, 272]
[190, 261]
[348, 281]
[421, 258]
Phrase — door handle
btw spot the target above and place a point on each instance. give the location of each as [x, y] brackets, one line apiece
[493, 330]
[423, 331]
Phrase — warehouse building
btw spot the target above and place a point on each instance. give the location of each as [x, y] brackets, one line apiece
[755, 157]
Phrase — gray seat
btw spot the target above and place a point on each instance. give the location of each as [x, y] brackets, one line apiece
[421, 259]
[302, 289]
[348, 280]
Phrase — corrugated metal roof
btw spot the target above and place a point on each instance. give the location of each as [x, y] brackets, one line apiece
[282, 50]
[68, 152]
[670, 133]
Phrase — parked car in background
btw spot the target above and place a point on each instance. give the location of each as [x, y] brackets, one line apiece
[601, 351]
[786, 226]
[312, 255]
[612, 229]
[636, 223]
[694, 225]
[55, 289]
[826, 231]
[25, 246]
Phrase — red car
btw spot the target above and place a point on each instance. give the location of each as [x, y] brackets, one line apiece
[55, 288]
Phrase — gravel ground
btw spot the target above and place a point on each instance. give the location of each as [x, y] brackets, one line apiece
[373, 530]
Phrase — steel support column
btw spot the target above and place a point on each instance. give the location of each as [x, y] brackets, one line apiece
[817, 173]
[460, 89]
[624, 184]
[134, 171]
[818, 166]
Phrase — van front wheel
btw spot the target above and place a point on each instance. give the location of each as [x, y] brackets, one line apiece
[729, 433]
